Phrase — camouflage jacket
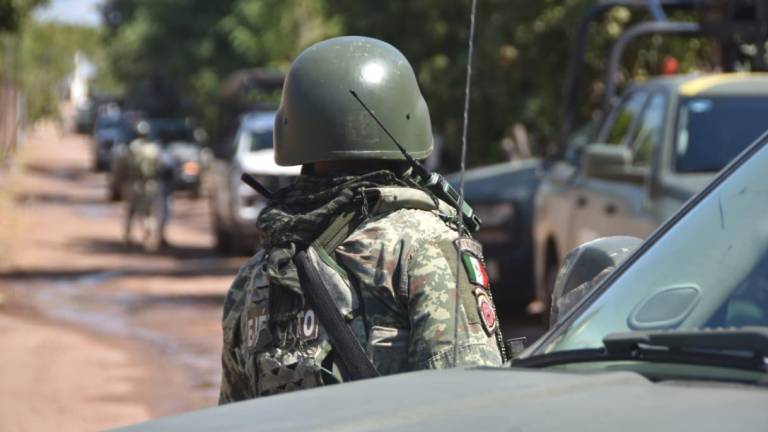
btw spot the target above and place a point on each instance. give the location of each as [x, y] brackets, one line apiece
[143, 158]
[394, 280]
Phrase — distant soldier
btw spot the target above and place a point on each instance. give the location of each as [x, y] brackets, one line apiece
[145, 191]
[388, 250]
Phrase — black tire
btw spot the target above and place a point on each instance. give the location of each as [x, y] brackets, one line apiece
[223, 240]
[114, 193]
[196, 192]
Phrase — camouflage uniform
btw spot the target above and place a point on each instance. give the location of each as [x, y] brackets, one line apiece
[142, 163]
[393, 279]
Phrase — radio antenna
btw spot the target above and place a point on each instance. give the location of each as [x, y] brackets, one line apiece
[459, 219]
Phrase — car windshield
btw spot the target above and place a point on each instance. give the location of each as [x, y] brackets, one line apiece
[707, 270]
[109, 122]
[257, 140]
[713, 130]
[171, 131]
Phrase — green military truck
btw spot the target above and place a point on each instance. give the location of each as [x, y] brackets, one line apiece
[661, 144]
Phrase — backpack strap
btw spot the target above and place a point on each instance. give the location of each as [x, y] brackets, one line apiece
[338, 231]
[353, 361]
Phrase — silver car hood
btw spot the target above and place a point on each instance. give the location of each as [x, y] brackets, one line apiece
[491, 400]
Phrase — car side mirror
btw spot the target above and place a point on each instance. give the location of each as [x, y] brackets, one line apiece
[584, 267]
[611, 162]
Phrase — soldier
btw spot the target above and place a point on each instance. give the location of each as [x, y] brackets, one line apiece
[145, 164]
[388, 250]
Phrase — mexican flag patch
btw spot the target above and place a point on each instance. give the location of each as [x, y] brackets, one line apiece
[475, 270]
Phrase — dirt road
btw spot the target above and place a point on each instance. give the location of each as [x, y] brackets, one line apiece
[96, 334]
[93, 333]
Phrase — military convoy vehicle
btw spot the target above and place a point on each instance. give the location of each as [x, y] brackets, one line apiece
[660, 145]
[110, 129]
[657, 144]
[505, 194]
[234, 205]
[183, 142]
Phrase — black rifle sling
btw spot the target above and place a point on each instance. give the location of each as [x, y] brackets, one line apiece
[353, 362]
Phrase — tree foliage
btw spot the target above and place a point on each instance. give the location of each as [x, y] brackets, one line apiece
[179, 51]
[47, 58]
[183, 50]
[14, 12]
[39, 56]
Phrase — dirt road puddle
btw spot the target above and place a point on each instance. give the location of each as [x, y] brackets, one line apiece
[179, 328]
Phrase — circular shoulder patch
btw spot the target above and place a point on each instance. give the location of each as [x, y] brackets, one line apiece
[486, 312]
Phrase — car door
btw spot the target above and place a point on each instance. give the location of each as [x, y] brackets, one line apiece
[605, 207]
[226, 167]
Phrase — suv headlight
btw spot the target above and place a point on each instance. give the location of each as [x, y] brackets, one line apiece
[190, 168]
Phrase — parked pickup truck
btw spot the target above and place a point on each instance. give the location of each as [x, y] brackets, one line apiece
[662, 143]
[234, 205]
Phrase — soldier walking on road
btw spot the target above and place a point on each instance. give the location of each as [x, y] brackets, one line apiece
[148, 188]
[387, 249]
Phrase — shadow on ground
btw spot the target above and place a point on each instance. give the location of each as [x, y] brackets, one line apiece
[64, 274]
[59, 173]
[180, 300]
[48, 198]
[114, 245]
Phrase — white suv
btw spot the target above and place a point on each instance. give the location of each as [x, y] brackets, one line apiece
[234, 205]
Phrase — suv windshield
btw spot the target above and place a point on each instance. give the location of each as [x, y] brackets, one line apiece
[707, 270]
[257, 140]
[168, 131]
[109, 122]
[713, 130]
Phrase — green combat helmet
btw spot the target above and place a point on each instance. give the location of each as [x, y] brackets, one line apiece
[318, 119]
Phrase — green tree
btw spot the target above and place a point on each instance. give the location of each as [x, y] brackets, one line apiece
[14, 12]
[182, 50]
[47, 58]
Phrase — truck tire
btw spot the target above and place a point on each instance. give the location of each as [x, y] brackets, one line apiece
[114, 193]
[223, 240]
[196, 192]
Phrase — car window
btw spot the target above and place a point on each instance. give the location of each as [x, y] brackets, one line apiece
[708, 270]
[105, 122]
[168, 131]
[624, 117]
[251, 141]
[260, 140]
[713, 130]
[580, 139]
[649, 130]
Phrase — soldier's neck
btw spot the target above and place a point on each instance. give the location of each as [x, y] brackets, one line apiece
[352, 167]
